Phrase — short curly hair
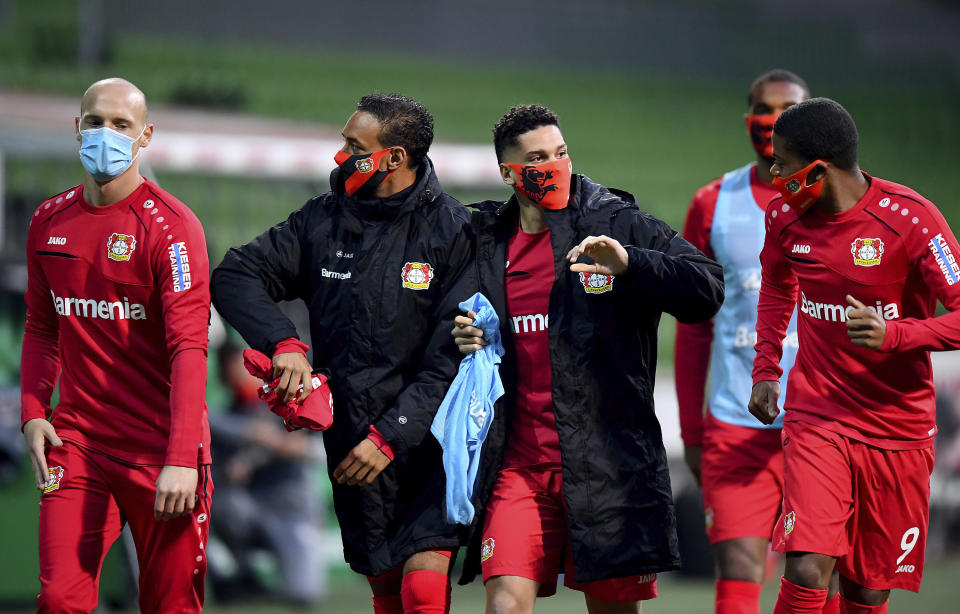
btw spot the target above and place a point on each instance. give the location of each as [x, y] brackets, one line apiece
[404, 122]
[519, 120]
[777, 75]
[820, 128]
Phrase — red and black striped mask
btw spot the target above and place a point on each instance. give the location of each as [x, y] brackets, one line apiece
[361, 173]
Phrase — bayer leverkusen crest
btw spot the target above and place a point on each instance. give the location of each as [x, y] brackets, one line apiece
[53, 479]
[866, 252]
[365, 165]
[417, 275]
[595, 283]
[789, 521]
[120, 247]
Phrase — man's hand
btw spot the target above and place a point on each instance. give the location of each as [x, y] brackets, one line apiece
[293, 369]
[692, 454]
[865, 326]
[609, 257]
[36, 432]
[362, 465]
[468, 338]
[763, 401]
[176, 492]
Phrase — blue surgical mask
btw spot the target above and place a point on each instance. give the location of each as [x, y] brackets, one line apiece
[106, 153]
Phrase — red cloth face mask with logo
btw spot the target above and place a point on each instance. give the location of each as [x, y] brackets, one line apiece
[361, 173]
[795, 190]
[760, 128]
[546, 184]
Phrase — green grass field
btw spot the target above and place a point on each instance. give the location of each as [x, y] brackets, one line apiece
[349, 593]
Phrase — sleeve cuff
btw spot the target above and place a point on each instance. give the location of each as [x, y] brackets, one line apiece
[891, 337]
[31, 411]
[380, 441]
[765, 376]
[289, 345]
[182, 460]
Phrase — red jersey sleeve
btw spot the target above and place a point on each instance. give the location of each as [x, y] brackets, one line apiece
[40, 357]
[182, 273]
[937, 255]
[692, 347]
[778, 297]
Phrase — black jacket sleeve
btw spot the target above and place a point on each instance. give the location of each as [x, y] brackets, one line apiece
[667, 270]
[407, 423]
[252, 278]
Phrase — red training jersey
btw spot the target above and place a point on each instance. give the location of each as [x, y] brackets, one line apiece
[118, 299]
[533, 438]
[692, 346]
[894, 252]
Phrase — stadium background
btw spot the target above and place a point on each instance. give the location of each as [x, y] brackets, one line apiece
[251, 97]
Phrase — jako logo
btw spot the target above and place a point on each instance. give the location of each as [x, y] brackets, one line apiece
[533, 323]
[839, 313]
[90, 308]
[801, 249]
[905, 569]
[335, 274]
[57, 241]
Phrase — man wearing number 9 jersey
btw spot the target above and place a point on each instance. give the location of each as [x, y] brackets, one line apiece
[867, 260]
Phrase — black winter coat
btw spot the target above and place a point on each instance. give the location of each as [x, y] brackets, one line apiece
[603, 352]
[380, 324]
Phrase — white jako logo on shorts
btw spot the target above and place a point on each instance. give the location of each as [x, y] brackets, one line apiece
[402, 419]
[486, 549]
[789, 521]
[201, 518]
[907, 543]
[417, 275]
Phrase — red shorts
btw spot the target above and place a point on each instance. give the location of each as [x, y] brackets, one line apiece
[867, 506]
[742, 474]
[82, 514]
[525, 534]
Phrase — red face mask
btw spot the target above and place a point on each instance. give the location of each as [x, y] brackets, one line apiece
[546, 184]
[760, 128]
[361, 173]
[795, 190]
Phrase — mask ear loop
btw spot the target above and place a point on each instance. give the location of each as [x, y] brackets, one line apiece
[807, 181]
[139, 136]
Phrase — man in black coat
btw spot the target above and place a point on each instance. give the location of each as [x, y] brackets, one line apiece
[374, 260]
[574, 474]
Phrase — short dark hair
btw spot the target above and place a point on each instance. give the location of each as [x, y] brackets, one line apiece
[777, 75]
[820, 128]
[519, 120]
[403, 122]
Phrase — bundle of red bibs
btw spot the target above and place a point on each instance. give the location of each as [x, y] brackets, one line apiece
[315, 413]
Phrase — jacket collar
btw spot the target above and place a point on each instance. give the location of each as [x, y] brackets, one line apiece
[426, 189]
